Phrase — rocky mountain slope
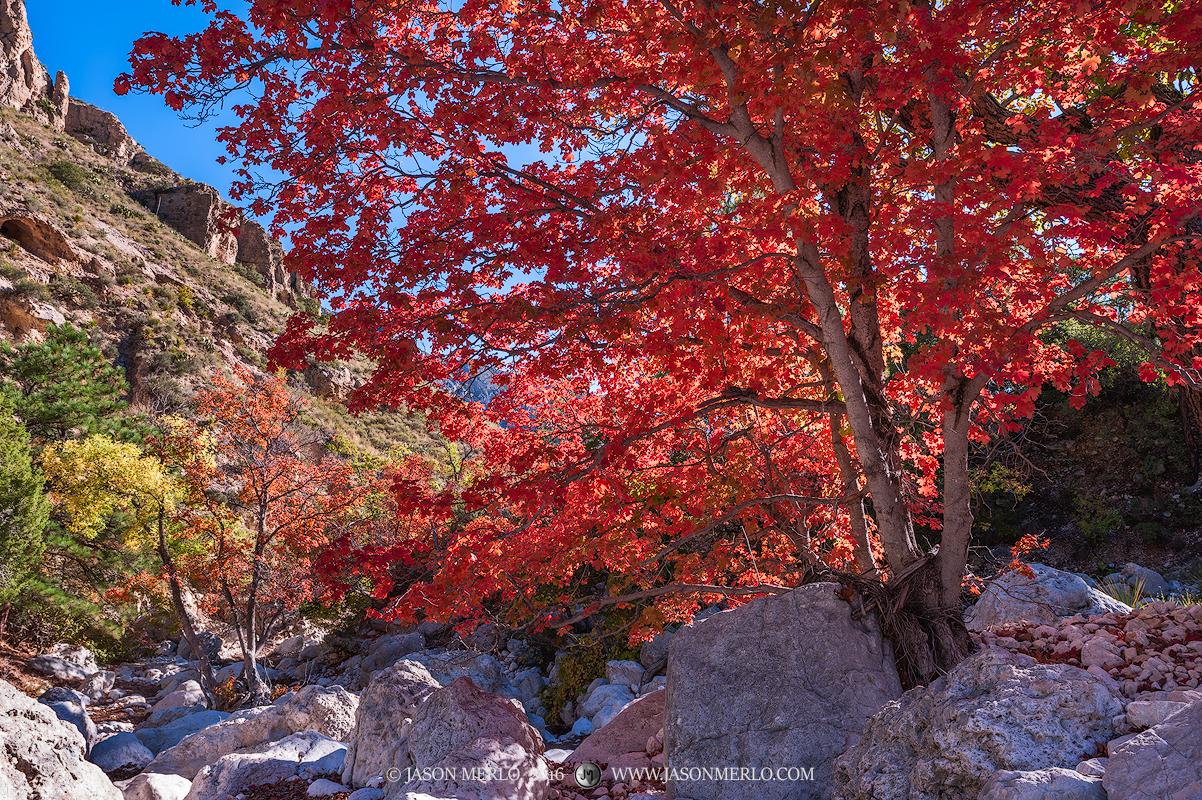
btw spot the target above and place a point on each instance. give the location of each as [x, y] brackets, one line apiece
[172, 281]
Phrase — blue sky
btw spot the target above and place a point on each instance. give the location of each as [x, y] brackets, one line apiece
[90, 41]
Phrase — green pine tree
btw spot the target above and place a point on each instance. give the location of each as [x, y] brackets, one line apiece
[24, 508]
[65, 388]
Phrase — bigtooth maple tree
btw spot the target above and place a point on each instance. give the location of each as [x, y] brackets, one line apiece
[756, 233]
[261, 499]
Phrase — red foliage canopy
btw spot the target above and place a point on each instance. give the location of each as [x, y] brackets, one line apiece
[753, 231]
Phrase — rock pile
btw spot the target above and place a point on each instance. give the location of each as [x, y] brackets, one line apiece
[1148, 652]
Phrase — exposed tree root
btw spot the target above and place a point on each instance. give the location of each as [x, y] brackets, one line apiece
[928, 638]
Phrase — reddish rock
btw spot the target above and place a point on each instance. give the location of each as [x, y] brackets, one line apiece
[37, 235]
[626, 733]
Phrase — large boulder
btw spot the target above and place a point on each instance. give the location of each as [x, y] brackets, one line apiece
[76, 654]
[290, 647]
[995, 711]
[627, 733]
[267, 762]
[788, 680]
[59, 668]
[655, 652]
[151, 786]
[188, 694]
[483, 669]
[71, 707]
[1148, 582]
[121, 756]
[209, 642]
[1147, 713]
[382, 719]
[388, 650]
[330, 712]
[43, 757]
[625, 673]
[1047, 597]
[461, 734]
[168, 731]
[509, 772]
[98, 684]
[1162, 763]
[605, 702]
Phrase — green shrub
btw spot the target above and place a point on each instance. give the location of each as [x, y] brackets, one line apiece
[73, 291]
[166, 297]
[250, 356]
[1097, 516]
[250, 272]
[153, 166]
[72, 175]
[124, 211]
[310, 306]
[242, 304]
[32, 290]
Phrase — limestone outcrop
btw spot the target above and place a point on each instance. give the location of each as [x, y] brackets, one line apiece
[24, 83]
[102, 130]
[200, 214]
[37, 235]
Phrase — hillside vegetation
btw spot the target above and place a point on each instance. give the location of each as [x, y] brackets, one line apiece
[79, 248]
[123, 296]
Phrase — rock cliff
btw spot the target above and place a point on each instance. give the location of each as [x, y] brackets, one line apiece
[24, 83]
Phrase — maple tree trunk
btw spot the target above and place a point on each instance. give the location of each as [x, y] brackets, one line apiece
[244, 627]
[259, 691]
[208, 682]
[892, 513]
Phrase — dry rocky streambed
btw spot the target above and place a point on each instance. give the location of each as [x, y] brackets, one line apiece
[1072, 695]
